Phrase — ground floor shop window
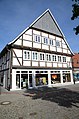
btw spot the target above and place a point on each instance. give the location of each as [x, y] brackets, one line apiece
[55, 78]
[30, 80]
[76, 76]
[24, 80]
[41, 79]
[18, 80]
[66, 78]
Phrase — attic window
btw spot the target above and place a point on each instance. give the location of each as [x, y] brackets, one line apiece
[58, 43]
[45, 40]
[37, 39]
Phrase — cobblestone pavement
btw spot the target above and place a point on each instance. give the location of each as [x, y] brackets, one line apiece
[43, 103]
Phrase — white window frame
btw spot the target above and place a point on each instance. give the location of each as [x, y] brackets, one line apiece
[64, 59]
[59, 58]
[34, 56]
[48, 57]
[27, 56]
[36, 38]
[57, 43]
[45, 40]
[54, 58]
[42, 56]
[51, 42]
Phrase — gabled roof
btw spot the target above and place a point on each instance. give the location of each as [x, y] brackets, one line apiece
[46, 22]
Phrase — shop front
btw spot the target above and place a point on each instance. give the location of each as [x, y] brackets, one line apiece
[35, 78]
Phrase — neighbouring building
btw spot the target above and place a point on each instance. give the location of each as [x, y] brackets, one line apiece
[75, 60]
[39, 56]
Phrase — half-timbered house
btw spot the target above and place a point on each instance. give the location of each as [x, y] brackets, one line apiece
[39, 56]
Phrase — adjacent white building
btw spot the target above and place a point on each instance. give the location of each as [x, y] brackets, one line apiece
[39, 56]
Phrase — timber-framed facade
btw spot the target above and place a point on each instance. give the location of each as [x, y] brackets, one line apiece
[39, 56]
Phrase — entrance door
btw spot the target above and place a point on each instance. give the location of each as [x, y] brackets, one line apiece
[24, 80]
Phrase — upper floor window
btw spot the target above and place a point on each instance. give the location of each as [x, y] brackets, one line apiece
[48, 57]
[54, 58]
[45, 40]
[42, 56]
[35, 56]
[37, 38]
[26, 55]
[59, 58]
[50, 41]
[58, 43]
[64, 59]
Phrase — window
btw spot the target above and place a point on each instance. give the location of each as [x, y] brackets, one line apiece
[51, 42]
[53, 57]
[37, 38]
[26, 55]
[48, 57]
[59, 58]
[35, 56]
[64, 59]
[58, 43]
[45, 40]
[42, 56]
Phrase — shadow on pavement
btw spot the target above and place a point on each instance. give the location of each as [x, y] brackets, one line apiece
[62, 96]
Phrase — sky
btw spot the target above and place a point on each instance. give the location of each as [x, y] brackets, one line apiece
[17, 15]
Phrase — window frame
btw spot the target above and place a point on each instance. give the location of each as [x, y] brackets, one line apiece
[58, 43]
[34, 56]
[42, 56]
[27, 55]
[37, 38]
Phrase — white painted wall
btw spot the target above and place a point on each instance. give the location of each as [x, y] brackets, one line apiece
[34, 63]
[42, 64]
[18, 52]
[29, 32]
[15, 62]
[26, 63]
[27, 43]
[18, 42]
[36, 45]
[49, 64]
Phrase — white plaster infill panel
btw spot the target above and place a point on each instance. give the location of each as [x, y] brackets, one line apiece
[27, 37]
[18, 42]
[54, 64]
[36, 32]
[29, 32]
[18, 52]
[51, 36]
[64, 50]
[64, 64]
[59, 49]
[45, 35]
[49, 64]
[34, 63]
[59, 64]
[46, 47]
[42, 64]
[15, 61]
[27, 43]
[36, 45]
[26, 63]
[52, 48]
